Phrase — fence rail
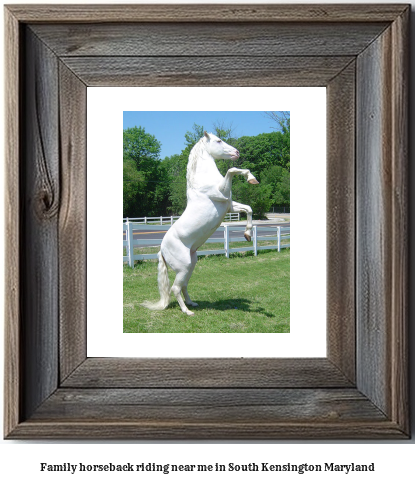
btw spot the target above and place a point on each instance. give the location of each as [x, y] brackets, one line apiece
[229, 217]
[282, 209]
[129, 243]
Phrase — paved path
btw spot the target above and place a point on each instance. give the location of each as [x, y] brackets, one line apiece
[261, 224]
[272, 219]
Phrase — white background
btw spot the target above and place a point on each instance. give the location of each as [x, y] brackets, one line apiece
[308, 243]
[20, 461]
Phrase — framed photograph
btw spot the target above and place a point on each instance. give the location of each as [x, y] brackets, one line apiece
[261, 307]
[358, 390]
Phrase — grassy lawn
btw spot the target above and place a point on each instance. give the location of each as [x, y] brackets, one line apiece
[209, 246]
[241, 294]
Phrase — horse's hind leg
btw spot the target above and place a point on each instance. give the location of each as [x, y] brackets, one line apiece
[187, 299]
[181, 281]
[182, 261]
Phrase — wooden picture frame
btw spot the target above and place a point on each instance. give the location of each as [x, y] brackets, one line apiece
[360, 53]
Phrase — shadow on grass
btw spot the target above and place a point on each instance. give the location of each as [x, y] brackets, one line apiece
[229, 304]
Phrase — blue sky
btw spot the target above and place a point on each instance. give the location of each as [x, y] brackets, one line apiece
[169, 128]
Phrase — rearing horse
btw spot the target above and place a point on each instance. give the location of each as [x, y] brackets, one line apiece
[209, 198]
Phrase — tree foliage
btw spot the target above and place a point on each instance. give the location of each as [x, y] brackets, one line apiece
[146, 184]
[267, 156]
[158, 187]
[194, 135]
[177, 166]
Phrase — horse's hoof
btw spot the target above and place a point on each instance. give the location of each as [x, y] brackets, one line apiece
[190, 313]
[193, 304]
[253, 181]
[247, 237]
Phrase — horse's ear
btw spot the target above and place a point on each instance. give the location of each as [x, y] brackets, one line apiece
[206, 134]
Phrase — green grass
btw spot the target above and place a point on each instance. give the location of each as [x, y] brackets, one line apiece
[209, 246]
[241, 294]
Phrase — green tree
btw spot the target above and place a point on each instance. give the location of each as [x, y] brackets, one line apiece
[176, 166]
[225, 132]
[133, 185]
[282, 120]
[279, 180]
[258, 197]
[267, 156]
[146, 185]
[194, 135]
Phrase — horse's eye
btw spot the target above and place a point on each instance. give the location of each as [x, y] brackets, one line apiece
[219, 141]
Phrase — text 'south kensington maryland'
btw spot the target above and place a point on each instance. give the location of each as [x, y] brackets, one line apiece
[230, 467]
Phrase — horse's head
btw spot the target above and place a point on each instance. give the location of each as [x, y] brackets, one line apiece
[219, 149]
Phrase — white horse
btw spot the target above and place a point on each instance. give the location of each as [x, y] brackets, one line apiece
[209, 198]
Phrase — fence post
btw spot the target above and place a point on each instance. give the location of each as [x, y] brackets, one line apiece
[279, 238]
[255, 241]
[171, 220]
[130, 247]
[226, 236]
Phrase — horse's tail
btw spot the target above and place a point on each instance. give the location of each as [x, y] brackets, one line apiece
[164, 287]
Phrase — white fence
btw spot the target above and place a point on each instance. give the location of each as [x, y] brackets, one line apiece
[152, 220]
[278, 234]
[229, 217]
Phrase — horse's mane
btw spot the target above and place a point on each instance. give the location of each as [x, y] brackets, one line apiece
[191, 165]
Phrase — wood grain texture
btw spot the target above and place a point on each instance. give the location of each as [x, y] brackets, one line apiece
[206, 373]
[373, 214]
[382, 223]
[399, 226]
[13, 383]
[72, 222]
[209, 405]
[205, 13]
[189, 430]
[209, 39]
[40, 206]
[206, 71]
[341, 236]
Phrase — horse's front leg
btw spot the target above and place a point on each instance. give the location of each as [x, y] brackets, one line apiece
[250, 178]
[226, 185]
[240, 207]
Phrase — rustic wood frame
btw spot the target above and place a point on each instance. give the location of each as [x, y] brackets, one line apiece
[359, 52]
